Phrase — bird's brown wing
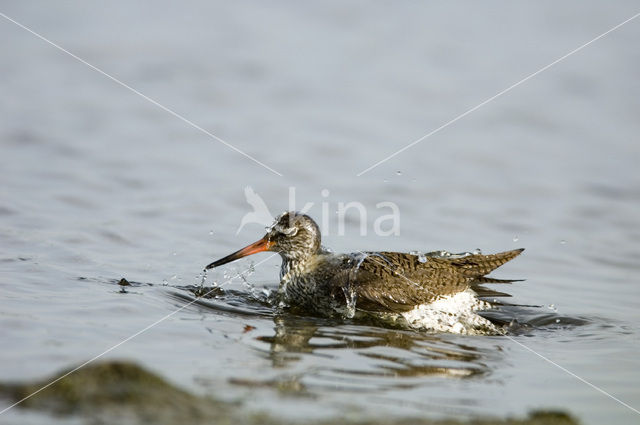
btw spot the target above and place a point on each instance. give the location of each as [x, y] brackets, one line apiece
[478, 265]
[397, 282]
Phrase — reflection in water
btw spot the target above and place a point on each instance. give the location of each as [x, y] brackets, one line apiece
[314, 355]
[383, 353]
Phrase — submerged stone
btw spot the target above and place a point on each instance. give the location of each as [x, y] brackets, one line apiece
[123, 392]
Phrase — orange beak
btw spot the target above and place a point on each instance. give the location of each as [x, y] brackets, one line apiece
[259, 246]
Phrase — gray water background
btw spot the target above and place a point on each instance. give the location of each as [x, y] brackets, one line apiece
[98, 184]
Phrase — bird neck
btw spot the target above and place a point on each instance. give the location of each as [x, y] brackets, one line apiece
[294, 266]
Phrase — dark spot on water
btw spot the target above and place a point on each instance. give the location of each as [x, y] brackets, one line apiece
[114, 237]
[24, 137]
[77, 201]
[4, 211]
[627, 192]
[123, 283]
[127, 282]
[12, 260]
[130, 182]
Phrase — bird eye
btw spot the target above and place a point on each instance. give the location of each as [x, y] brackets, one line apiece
[291, 231]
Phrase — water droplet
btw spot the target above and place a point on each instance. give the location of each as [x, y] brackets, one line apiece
[165, 282]
[516, 238]
[562, 242]
[552, 307]
[210, 232]
[557, 320]
[422, 257]
[324, 193]
[350, 297]
[399, 173]
[175, 253]
[385, 181]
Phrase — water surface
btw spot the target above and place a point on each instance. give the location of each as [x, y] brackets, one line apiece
[99, 184]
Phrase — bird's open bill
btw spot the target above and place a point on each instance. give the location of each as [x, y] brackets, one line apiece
[259, 246]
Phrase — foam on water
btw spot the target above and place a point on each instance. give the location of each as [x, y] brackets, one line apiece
[455, 313]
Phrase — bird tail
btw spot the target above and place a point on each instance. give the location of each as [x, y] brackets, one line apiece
[486, 279]
[477, 266]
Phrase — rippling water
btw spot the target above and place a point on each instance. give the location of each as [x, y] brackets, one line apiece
[99, 184]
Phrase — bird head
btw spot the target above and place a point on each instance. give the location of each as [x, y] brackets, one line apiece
[293, 235]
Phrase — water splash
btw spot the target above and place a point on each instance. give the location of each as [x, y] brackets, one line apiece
[250, 285]
[451, 255]
[350, 297]
[359, 257]
[422, 257]
[326, 249]
[454, 314]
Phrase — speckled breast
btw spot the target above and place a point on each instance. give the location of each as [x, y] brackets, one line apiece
[305, 292]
